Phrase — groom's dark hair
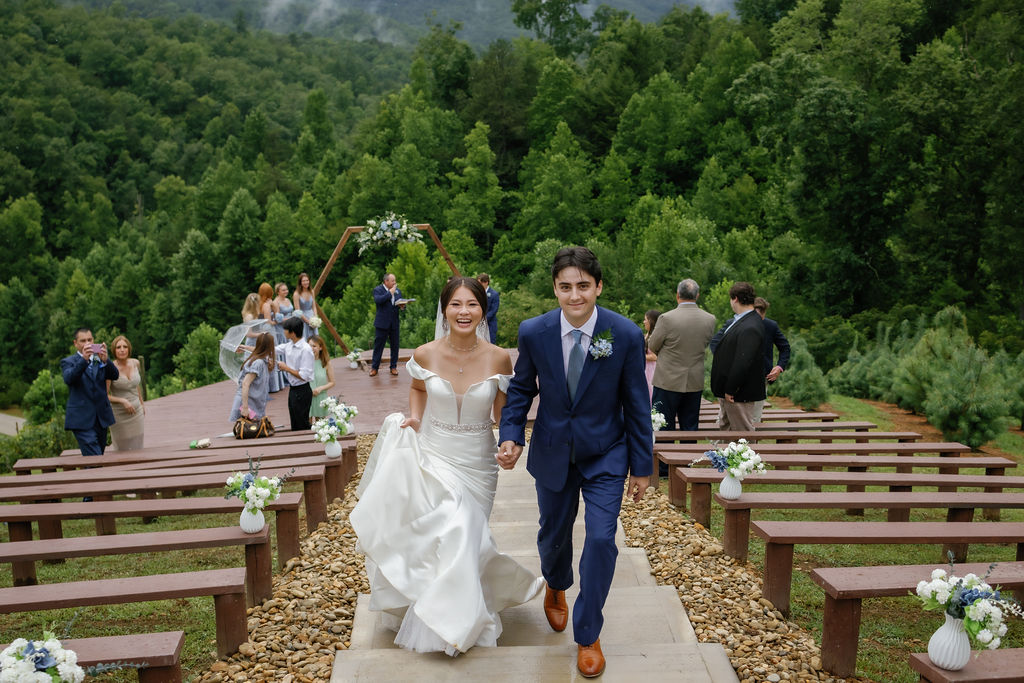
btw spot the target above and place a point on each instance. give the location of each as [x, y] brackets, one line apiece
[576, 257]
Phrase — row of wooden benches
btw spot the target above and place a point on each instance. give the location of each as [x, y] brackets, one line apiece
[146, 475]
[846, 587]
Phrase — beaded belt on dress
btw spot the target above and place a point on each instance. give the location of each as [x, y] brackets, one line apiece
[463, 428]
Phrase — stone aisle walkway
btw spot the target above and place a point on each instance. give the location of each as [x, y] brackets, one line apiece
[646, 636]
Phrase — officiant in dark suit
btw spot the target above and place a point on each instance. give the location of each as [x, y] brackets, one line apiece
[386, 296]
[737, 372]
[88, 412]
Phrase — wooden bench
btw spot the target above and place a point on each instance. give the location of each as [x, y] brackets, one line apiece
[335, 474]
[778, 435]
[781, 537]
[846, 587]
[985, 666]
[700, 480]
[158, 654]
[227, 586]
[312, 478]
[19, 518]
[960, 506]
[257, 551]
[710, 416]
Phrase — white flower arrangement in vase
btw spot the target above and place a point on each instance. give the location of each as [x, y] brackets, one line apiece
[353, 357]
[255, 491]
[388, 228]
[39, 660]
[972, 601]
[736, 460]
[338, 422]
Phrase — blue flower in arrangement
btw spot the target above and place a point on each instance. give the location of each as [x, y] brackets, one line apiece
[387, 229]
[43, 659]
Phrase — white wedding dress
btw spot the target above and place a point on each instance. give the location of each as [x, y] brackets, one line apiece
[422, 521]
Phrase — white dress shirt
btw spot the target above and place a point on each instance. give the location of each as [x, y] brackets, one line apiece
[299, 356]
[588, 333]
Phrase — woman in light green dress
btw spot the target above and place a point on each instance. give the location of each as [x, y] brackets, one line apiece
[323, 377]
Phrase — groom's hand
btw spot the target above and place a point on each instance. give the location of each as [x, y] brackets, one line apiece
[508, 454]
[637, 487]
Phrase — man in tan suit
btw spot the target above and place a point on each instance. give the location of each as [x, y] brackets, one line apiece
[679, 338]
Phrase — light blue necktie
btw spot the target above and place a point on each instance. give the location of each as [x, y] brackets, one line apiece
[576, 358]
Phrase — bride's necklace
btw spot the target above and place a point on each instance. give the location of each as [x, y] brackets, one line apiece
[471, 349]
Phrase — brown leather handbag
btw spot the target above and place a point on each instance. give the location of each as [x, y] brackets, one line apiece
[253, 429]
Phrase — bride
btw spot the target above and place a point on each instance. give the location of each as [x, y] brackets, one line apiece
[427, 491]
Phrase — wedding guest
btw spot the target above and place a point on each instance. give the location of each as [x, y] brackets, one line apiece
[251, 307]
[305, 304]
[253, 382]
[88, 414]
[267, 313]
[493, 301]
[125, 394]
[282, 311]
[323, 377]
[298, 367]
[650, 317]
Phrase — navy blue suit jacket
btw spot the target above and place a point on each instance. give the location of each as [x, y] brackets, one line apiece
[773, 337]
[87, 393]
[387, 312]
[493, 301]
[608, 426]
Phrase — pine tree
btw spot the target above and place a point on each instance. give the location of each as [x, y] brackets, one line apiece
[803, 382]
[968, 399]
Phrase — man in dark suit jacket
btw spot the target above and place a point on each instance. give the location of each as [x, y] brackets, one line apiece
[493, 301]
[385, 323]
[592, 430]
[773, 339]
[88, 412]
[737, 372]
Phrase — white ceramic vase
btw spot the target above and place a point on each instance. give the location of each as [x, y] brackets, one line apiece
[353, 364]
[332, 449]
[949, 647]
[251, 522]
[730, 488]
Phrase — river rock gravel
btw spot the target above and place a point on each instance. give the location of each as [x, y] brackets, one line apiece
[294, 636]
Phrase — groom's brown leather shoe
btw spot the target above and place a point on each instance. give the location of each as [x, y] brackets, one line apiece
[555, 608]
[590, 660]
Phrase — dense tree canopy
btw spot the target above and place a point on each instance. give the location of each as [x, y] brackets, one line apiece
[859, 161]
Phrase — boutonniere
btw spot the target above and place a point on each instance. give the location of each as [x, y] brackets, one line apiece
[601, 345]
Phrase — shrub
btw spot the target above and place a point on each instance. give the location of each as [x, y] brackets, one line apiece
[851, 378]
[198, 362]
[45, 440]
[915, 373]
[803, 381]
[967, 399]
[45, 398]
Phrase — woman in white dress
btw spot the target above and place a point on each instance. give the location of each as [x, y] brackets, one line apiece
[427, 491]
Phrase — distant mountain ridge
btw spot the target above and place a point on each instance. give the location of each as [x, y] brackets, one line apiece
[400, 22]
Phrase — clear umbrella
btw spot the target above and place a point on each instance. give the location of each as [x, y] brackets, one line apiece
[232, 351]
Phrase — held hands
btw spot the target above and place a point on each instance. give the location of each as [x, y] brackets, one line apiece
[508, 454]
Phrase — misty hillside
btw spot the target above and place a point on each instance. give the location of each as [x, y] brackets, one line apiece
[402, 22]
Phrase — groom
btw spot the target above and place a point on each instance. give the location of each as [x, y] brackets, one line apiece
[593, 427]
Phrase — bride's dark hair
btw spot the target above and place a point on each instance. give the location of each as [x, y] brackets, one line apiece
[469, 283]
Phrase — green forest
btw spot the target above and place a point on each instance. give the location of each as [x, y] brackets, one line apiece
[859, 161]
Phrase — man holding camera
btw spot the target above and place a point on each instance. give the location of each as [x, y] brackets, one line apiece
[88, 412]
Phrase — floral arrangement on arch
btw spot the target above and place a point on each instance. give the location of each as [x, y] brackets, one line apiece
[970, 598]
[39, 660]
[337, 423]
[388, 228]
[737, 459]
[253, 489]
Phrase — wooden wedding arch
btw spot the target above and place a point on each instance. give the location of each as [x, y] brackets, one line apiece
[349, 231]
